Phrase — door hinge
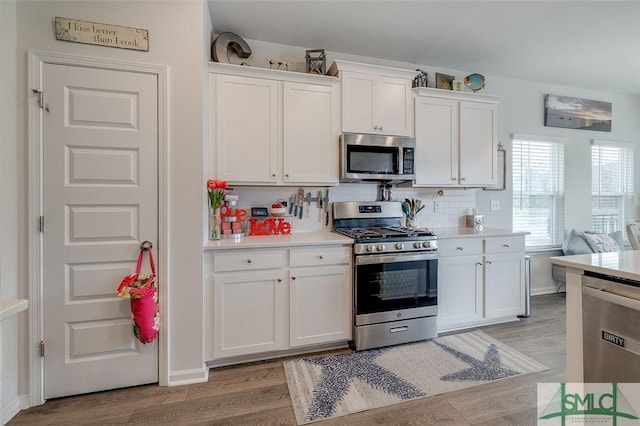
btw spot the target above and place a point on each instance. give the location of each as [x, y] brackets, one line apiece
[40, 94]
[41, 348]
[41, 224]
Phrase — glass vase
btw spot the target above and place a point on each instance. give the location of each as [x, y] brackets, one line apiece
[215, 232]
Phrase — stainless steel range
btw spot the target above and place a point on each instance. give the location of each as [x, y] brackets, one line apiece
[395, 274]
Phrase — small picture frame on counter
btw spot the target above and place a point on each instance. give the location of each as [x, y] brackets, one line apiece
[259, 212]
[444, 81]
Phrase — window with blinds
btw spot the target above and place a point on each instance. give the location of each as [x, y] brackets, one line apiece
[538, 189]
[612, 176]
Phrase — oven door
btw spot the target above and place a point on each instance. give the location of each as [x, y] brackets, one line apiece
[394, 287]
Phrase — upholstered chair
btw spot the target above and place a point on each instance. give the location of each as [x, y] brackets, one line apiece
[633, 233]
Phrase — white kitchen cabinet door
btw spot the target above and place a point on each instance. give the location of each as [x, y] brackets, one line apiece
[310, 135]
[460, 291]
[393, 108]
[358, 99]
[478, 144]
[320, 305]
[245, 113]
[437, 139]
[504, 289]
[249, 312]
[376, 104]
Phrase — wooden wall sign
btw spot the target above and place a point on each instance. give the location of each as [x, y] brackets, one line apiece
[102, 34]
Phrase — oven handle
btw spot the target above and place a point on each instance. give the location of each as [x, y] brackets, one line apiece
[405, 257]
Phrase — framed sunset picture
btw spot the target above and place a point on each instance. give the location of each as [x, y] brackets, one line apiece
[577, 113]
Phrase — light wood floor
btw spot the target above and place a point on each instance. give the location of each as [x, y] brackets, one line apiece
[257, 394]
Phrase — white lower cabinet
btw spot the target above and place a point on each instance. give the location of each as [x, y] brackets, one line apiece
[249, 312]
[480, 281]
[274, 300]
[504, 289]
[320, 301]
[460, 285]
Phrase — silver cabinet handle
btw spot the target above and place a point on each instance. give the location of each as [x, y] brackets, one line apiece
[375, 127]
[453, 178]
[248, 260]
[459, 248]
[478, 263]
[320, 257]
[286, 175]
[293, 278]
[273, 175]
[505, 245]
[279, 280]
[463, 178]
[489, 262]
[381, 128]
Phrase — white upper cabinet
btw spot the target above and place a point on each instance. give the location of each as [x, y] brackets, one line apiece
[245, 113]
[376, 100]
[310, 138]
[271, 127]
[456, 137]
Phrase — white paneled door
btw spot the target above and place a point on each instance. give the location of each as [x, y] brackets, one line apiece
[100, 139]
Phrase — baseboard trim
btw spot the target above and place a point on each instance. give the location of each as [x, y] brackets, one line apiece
[187, 377]
[25, 402]
[545, 290]
[10, 409]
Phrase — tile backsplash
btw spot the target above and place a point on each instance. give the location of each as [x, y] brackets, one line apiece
[441, 211]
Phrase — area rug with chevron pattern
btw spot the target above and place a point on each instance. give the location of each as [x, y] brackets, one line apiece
[328, 386]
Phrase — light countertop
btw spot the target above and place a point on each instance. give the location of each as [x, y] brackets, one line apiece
[266, 241]
[331, 238]
[623, 264]
[9, 308]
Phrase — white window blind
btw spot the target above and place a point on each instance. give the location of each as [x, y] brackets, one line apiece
[538, 189]
[612, 176]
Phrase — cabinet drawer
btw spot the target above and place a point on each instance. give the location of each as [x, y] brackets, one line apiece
[315, 256]
[504, 244]
[460, 246]
[249, 260]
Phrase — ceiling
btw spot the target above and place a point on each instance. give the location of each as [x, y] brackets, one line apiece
[591, 44]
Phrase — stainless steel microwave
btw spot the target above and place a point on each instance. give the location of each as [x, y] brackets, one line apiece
[376, 158]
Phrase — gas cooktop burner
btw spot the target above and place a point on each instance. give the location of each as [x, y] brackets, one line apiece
[384, 233]
[377, 228]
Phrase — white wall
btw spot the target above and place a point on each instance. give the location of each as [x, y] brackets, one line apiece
[176, 39]
[9, 288]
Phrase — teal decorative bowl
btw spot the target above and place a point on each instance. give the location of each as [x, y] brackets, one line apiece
[474, 82]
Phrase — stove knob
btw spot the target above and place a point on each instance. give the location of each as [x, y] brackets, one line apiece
[380, 247]
[426, 244]
[370, 248]
[417, 244]
[399, 246]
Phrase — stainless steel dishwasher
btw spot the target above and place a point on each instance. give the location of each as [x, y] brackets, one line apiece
[610, 329]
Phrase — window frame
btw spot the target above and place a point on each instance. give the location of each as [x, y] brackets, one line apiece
[627, 183]
[557, 196]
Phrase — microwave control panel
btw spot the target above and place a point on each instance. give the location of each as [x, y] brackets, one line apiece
[407, 161]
